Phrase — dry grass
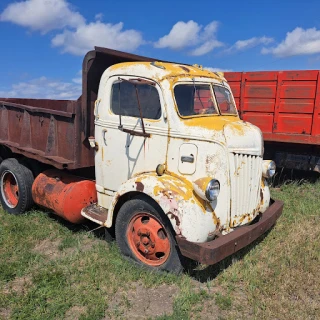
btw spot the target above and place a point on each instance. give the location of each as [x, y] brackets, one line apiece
[52, 270]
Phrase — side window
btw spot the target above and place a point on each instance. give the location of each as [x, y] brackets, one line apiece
[124, 100]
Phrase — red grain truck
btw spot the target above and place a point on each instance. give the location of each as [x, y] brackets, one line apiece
[285, 105]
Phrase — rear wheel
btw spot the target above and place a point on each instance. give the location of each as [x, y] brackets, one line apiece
[143, 234]
[15, 186]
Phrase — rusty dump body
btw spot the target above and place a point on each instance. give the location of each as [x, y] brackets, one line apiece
[56, 132]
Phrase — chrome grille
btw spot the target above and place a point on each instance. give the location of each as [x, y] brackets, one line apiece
[245, 184]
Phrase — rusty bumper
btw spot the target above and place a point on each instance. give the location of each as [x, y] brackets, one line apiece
[216, 250]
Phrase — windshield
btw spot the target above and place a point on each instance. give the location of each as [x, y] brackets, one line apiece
[197, 99]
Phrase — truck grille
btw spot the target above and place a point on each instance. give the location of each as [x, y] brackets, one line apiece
[245, 185]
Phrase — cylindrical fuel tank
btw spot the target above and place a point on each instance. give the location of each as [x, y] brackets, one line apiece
[64, 193]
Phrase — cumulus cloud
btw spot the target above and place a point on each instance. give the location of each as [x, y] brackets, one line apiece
[241, 45]
[78, 36]
[85, 37]
[297, 42]
[42, 15]
[44, 88]
[191, 34]
[182, 34]
[206, 47]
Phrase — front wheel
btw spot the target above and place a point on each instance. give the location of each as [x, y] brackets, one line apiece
[15, 186]
[143, 234]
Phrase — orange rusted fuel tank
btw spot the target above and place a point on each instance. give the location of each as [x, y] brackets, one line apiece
[63, 193]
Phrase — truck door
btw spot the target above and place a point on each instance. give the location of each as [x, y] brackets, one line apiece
[130, 129]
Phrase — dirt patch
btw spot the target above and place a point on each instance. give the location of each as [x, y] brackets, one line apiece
[49, 248]
[18, 285]
[75, 313]
[5, 313]
[140, 302]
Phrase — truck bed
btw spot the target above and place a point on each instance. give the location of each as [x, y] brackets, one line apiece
[285, 105]
[56, 132]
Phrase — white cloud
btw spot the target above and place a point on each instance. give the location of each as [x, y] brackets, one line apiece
[241, 45]
[206, 47]
[297, 42]
[217, 69]
[44, 88]
[85, 37]
[42, 15]
[78, 37]
[182, 34]
[191, 34]
[98, 16]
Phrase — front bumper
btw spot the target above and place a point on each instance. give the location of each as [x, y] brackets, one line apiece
[216, 250]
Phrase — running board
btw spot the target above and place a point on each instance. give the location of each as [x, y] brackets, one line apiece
[95, 213]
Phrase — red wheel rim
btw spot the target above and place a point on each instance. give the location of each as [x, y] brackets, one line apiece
[148, 239]
[9, 189]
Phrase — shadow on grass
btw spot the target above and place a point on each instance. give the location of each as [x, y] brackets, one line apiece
[211, 272]
[284, 176]
[98, 231]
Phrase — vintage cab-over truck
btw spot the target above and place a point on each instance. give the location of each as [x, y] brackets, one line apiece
[177, 173]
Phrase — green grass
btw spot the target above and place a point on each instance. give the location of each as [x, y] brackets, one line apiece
[53, 270]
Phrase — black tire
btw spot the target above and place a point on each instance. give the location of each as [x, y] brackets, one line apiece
[18, 200]
[132, 210]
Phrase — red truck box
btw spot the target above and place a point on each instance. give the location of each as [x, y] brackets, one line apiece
[285, 105]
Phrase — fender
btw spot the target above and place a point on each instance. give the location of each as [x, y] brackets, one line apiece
[190, 216]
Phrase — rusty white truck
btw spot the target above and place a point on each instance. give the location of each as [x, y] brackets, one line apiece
[155, 150]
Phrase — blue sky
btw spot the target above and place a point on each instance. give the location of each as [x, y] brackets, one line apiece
[43, 41]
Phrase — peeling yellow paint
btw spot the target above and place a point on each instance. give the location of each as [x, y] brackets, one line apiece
[215, 122]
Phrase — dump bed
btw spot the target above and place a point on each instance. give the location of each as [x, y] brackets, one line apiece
[56, 131]
[285, 105]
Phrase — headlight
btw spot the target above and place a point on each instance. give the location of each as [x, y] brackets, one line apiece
[212, 190]
[268, 168]
[207, 188]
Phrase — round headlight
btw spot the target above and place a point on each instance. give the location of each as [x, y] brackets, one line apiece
[212, 190]
[269, 168]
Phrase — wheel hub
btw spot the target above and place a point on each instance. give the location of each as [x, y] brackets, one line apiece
[148, 240]
[9, 189]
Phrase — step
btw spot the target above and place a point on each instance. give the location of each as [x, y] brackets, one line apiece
[95, 213]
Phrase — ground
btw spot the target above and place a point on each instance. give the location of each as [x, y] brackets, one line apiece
[50, 269]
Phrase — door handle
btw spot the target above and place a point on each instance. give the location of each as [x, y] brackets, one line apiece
[104, 131]
[189, 159]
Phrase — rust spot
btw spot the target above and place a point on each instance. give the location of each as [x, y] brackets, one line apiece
[185, 68]
[261, 196]
[139, 186]
[173, 216]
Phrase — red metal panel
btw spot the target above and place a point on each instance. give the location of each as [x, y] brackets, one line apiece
[259, 105]
[262, 120]
[317, 127]
[261, 89]
[233, 76]
[316, 118]
[298, 89]
[294, 123]
[277, 102]
[300, 75]
[260, 76]
[296, 105]
[235, 88]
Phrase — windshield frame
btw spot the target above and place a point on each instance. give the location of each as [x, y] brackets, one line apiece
[214, 99]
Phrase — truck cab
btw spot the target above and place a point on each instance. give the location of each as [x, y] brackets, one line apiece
[177, 172]
[171, 134]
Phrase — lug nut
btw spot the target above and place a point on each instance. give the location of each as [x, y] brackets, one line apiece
[139, 233]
